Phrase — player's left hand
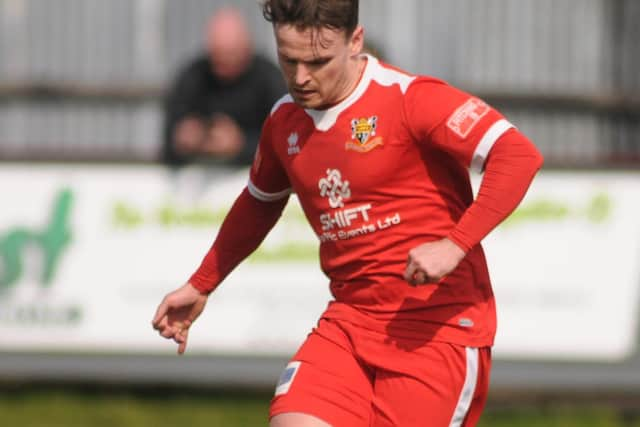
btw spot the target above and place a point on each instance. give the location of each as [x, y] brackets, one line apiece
[430, 262]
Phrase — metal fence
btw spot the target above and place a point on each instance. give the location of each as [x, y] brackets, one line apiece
[83, 79]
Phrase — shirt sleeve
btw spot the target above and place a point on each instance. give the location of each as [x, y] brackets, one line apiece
[244, 228]
[453, 121]
[511, 166]
[268, 180]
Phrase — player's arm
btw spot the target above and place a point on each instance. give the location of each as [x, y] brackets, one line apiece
[253, 214]
[509, 169]
[479, 136]
[245, 227]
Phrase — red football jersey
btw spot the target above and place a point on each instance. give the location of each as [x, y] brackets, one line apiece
[378, 174]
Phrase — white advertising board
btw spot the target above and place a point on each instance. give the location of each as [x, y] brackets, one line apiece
[86, 254]
[566, 268]
[118, 239]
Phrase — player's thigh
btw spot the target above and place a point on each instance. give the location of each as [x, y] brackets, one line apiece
[292, 419]
[325, 380]
[449, 389]
[479, 399]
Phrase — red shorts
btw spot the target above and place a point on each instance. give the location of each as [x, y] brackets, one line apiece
[354, 377]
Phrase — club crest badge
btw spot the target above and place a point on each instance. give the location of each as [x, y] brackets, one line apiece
[363, 135]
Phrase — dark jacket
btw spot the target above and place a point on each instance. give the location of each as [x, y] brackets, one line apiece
[248, 100]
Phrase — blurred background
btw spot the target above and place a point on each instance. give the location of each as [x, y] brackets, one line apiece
[97, 222]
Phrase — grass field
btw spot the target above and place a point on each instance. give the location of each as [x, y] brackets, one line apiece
[102, 408]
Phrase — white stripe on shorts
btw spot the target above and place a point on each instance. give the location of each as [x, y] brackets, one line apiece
[468, 389]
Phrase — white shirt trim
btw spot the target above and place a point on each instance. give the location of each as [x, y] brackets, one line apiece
[484, 147]
[264, 196]
[286, 99]
[468, 388]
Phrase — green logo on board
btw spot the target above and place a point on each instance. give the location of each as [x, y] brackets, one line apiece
[51, 241]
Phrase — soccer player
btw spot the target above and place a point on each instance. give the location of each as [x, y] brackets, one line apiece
[379, 160]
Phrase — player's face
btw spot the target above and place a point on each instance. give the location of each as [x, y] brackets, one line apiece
[321, 66]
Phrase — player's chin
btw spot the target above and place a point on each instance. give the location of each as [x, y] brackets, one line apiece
[308, 102]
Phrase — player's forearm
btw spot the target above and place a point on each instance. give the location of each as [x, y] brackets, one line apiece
[509, 170]
[244, 228]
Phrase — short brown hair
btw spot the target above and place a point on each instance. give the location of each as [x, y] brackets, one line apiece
[333, 14]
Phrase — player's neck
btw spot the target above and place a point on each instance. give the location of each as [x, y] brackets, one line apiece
[353, 79]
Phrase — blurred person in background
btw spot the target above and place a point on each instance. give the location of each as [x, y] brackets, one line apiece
[216, 106]
[379, 160]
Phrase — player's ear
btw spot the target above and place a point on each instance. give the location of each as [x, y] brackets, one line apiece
[356, 41]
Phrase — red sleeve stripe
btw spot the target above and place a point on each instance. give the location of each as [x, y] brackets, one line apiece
[484, 146]
[263, 196]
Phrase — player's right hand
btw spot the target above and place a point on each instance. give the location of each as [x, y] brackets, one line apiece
[177, 312]
[432, 261]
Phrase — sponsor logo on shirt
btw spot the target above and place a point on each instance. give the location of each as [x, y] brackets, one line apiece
[467, 116]
[349, 222]
[363, 135]
[334, 188]
[293, 148]
[344, 218]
